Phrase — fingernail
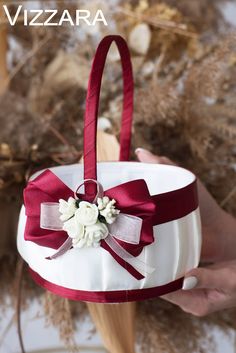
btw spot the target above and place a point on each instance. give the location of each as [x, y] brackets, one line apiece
[189, 283]
[140, 149]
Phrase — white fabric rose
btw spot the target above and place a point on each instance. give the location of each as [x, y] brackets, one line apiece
[92, 236]
[79, 242]
[108, 216]
[67, 208]
[96, 233]
[102, 202]
[73, 228]
[110, 212]
[87, 213]
[81, 220]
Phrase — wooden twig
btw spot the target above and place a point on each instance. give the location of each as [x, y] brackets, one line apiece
[63, 140]
[59, 136]
[228, 197]
[158, 66]
[6, 330]
[26, 58]
[171, 26]
[19, 279]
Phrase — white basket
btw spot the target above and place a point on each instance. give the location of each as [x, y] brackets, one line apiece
[93, 274]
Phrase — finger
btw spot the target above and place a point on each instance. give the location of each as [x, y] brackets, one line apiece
[222, 265]
[199, 302]
[207, 289]
[194, 301]
[208, 278]
[179, 297]
[148, 157]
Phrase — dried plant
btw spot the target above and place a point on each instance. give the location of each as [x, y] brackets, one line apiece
[185, 108]
[58, 313]
[162, 332]
[196, 114]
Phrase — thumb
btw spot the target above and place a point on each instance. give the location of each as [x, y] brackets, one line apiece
[205, 278]
[148, 157]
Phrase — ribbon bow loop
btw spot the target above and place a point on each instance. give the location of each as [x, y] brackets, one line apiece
[132, 199]
[46, 187]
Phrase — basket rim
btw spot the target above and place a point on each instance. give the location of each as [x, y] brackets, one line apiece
[123, 163]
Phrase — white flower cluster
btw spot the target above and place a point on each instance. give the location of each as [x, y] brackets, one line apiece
[107, 209]
[85, 222]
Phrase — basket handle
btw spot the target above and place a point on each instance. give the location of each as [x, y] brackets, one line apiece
[92, 104]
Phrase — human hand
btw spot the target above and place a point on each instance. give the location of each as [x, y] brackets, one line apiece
[206, 290]
[218, 227]
[213, 288]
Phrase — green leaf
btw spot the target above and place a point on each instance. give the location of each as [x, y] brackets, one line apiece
[101, 218]
[77, 202]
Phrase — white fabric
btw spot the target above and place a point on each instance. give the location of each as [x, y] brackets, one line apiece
[176, 248]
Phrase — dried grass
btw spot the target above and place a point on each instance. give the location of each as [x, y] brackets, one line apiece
[184, 109]
[58, 314]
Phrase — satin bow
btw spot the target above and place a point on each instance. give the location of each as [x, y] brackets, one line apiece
[132, 198]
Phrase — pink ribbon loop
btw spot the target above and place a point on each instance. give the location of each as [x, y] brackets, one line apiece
[99, 188]
[126, 228]
[50, 216]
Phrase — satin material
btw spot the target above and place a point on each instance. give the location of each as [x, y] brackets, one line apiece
[120, 296]
[92, 103]
[175, 251]
[175, 204]
[42, 189]
[132, 198]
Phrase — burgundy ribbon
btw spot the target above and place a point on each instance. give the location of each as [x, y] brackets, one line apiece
[114, 296]
[132, 198]
[92, 105]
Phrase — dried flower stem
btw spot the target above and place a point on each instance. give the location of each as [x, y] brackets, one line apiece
[7, 328]
[3, 52]
[26, 58]
[177, 28]
[228, 197]
[158, 66]
[61, 138]
[19, 277]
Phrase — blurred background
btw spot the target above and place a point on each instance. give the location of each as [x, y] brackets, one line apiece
[184, 62]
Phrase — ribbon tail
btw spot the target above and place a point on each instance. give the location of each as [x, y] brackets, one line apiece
[62, 250]
[140, 266]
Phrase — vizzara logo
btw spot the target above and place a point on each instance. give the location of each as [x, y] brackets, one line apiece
[49, 17]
